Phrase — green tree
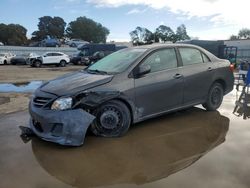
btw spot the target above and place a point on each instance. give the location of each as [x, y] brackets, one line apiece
[49, 26]
[244, 33]
[141, 36]
[13, 34]
[164, 33]
[181, 34]
[233, 37]
[88, 30]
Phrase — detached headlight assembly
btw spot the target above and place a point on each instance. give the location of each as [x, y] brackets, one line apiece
[62, 104]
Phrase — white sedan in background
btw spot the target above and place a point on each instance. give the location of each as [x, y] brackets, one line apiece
[5, 58]
[50, 58]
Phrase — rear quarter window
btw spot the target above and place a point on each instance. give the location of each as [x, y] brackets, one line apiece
[190, 56]
[205, 58]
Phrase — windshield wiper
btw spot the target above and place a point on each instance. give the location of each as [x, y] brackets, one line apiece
[96, 71]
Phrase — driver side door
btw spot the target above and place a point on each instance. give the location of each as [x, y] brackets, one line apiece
[162, 89]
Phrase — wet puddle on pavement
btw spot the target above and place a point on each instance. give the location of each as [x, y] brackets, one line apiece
[20, 87]
[151, 151]
[190, 148]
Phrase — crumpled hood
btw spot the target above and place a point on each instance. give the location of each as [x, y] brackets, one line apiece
[74, 82]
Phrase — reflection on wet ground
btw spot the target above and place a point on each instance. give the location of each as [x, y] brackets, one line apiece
[20, 87]
[151, 151]
[191, 148]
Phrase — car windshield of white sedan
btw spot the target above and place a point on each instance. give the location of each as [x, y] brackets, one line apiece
[117, 62]
[2, 55]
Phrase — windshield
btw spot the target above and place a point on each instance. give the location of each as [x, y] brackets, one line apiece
[117, 62]
[2, 55]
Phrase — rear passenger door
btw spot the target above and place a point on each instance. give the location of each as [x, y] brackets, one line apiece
[57, 57]
[197, 70]
[161, 89]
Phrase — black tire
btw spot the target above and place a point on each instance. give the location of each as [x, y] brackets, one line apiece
[215, 97]
[62, 63]
[37, 64]
[113, 119]
[5, 62]
[79, 62]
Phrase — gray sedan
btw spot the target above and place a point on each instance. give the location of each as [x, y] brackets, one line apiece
[128, 86]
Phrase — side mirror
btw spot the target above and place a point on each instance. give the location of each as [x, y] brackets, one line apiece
[142, 70]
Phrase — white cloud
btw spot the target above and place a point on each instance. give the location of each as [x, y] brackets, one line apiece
[136, 11]
[221, 11]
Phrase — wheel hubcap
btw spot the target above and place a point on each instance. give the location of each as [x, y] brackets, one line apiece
[110, 119]
[216, 96]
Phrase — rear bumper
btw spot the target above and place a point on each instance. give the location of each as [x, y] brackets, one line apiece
[67, 127]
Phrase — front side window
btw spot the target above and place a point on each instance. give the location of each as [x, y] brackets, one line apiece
[190, 56]
[48, 54]
[161, 60]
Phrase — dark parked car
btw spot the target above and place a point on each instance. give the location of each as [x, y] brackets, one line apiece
[87, 60]
[20, 59]
[90, 53]
[128, 86]
[76, 59]
[50, 42]
[96, 57]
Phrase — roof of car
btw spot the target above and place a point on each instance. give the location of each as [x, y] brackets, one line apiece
[156, 46]
[160, 45]
[55, 52]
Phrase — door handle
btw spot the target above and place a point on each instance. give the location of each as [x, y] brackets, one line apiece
[177, 76]
[209, 69]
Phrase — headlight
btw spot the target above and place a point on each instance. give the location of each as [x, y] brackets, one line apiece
[62, 104]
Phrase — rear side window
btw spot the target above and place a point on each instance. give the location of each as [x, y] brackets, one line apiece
[190, 56]
[161, 60]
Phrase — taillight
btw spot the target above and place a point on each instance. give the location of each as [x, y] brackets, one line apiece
[231, 67]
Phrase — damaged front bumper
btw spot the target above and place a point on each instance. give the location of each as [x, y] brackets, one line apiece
[67, 127]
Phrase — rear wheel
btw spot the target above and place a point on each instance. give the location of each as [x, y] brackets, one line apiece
[62, 63]
[112, 119]
[5, 62]
[215, 97]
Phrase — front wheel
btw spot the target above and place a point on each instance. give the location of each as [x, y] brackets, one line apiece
[112, 119]
[37, 64]
[215, 97]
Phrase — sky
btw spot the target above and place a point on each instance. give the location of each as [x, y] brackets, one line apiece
[204, 19]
